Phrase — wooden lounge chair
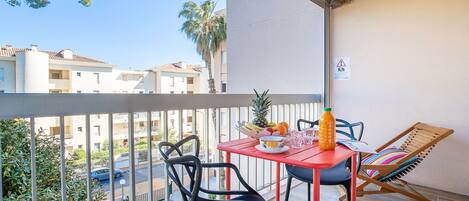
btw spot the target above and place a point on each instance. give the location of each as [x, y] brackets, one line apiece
[421, 138]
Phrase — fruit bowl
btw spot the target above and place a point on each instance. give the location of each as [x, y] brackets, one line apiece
[256, 132]
[251, 130]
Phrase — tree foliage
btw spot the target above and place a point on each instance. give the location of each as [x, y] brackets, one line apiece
[16, 166]
[206, 29]
[41, 3]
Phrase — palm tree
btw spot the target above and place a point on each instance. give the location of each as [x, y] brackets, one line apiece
[206, 30]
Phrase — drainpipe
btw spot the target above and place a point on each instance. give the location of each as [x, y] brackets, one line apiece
[327, 55]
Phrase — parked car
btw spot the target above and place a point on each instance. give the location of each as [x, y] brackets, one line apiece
[101, 174]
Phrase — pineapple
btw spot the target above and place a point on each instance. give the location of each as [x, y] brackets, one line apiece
[260, 108]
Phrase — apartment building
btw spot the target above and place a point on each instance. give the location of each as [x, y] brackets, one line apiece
[30, 70]
[220, 63]
[173, 78]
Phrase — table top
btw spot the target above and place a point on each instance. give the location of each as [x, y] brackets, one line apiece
[308, 156]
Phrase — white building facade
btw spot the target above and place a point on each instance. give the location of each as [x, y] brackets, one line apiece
[30, 70]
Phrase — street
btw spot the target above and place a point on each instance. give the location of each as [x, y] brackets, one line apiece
[141, 175]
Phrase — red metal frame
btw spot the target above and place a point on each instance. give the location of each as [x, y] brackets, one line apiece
[228, 174]
[309, 156]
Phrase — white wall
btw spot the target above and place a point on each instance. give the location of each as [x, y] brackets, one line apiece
[32, 72]
[8, 84]
[180, 83]
[410, 63]
[87, 82]
[137, 81]
[276, 45]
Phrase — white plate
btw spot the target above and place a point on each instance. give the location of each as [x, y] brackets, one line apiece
[260, 148]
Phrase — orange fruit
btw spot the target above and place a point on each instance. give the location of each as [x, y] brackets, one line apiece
[282, 129]
[283, 124]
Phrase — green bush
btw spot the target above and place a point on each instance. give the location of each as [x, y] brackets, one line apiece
[16, 170]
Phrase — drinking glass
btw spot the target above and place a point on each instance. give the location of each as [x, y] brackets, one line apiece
[308, 137]
[296, 139]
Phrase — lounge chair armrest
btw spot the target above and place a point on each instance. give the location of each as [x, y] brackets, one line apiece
[380, 167]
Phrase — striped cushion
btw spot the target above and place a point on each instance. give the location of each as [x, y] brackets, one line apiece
[385, 157]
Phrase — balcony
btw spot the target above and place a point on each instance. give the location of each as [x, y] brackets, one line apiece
[407, 62]
[130, 151]
[62, 84]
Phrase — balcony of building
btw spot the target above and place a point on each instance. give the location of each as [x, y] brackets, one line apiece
[407, 63]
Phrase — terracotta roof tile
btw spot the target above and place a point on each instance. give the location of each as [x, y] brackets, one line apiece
[174, 68]
[11, 52]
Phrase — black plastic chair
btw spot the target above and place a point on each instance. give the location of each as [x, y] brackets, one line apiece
[337, 175]
[174, 159]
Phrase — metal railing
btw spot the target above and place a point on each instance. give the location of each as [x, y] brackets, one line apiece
[228, 109]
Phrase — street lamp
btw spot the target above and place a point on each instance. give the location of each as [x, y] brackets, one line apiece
[122, 183]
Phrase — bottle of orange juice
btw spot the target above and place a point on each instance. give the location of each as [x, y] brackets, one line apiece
[327, 130]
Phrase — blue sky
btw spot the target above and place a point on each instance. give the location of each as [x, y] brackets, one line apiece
[131, 35]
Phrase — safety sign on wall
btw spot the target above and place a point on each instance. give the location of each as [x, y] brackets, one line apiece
[341, 68]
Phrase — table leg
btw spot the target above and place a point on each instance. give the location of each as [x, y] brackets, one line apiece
[316, 184]
[277, 183]
[354, 178]
[228, 174]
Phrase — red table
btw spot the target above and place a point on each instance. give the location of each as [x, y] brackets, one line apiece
[309, 156]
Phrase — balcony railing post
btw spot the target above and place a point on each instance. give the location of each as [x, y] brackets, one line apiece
[33, 160]
[131, 156]
[150, 157]
[111, 155]
[180, 136]
[207, 145]
[194, 127]
[88, 158]
[63, 186]
[165, 138]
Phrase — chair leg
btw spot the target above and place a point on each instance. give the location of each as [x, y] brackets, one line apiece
[348, 189]
[287, 194]
[309, 192]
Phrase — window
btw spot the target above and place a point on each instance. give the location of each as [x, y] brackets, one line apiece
[190, 92]
[223, 57]
[78, 91]
[2, 91]
[189, 119]
[190, 80]
[97, 128]
[2, 74]
[80, 146]
[80, 129]
[55, 130]
[140, 92]
[55, 91]
[151, 92]
[171, 92]
[223, 87]
[97, 77]
[172, 82]
[55, 74]
[156, 123]
[97, 146]
[78, 74]
[141, 124]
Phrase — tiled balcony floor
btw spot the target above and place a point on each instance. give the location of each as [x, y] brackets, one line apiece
[331, 193]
